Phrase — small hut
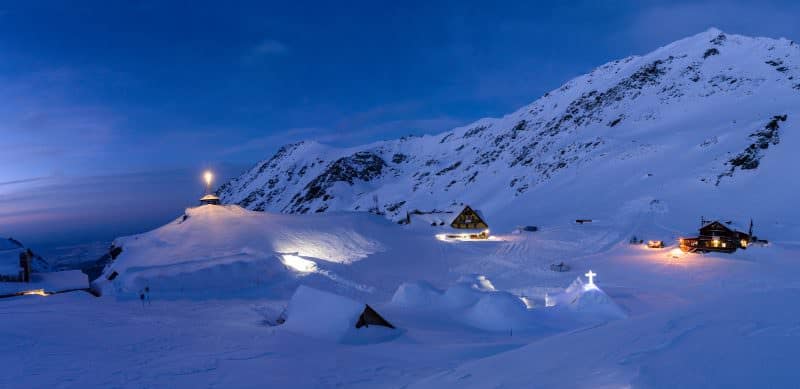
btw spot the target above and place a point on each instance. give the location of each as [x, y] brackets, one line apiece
[209, 199]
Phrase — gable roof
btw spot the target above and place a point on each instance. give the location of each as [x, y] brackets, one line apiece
[468, 212]
[716, 224]
[726, 226]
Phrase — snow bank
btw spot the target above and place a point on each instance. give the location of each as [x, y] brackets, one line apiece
[52, 282]
[331, 317]
[419, 295]
[467, 291]
[216, 251]
[498, 311]
[473, 300]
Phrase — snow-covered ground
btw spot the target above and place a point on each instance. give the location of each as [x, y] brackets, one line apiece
[696, 321]
[199, 302]
[50, 282]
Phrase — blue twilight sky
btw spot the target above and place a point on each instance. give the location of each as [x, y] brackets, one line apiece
[109, 111]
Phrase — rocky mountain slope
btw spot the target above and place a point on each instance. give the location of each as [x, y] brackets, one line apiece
[683, 126]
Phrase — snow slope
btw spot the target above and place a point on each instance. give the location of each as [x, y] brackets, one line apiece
[230, 252]
[214, 250]
[697, 120]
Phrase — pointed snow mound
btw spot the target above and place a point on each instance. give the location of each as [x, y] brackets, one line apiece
[588, 300]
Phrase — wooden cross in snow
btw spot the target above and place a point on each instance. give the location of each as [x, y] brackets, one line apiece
[590, 275]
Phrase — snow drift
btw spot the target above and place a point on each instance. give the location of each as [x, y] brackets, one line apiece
[586, 300]
[331, 317]
[214, 251]
[472, 301]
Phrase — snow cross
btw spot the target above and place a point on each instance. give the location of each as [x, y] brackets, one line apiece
[590, 275]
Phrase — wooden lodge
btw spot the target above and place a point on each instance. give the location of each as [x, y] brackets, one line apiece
[469, 224]
[718, 237]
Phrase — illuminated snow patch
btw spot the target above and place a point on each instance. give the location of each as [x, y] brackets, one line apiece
[300, 264]
[37, 292]
[343, 246]
[485, 283]
[588, 287]
[676, 253]
[466, 238]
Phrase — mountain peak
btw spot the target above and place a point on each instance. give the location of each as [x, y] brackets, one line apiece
[703, 98]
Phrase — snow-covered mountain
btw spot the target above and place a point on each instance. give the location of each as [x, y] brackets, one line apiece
[689, 123]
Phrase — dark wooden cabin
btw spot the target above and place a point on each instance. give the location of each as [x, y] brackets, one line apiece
[469, 219]
[719, 237]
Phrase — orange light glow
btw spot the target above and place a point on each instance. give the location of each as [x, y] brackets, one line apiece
[676, 253]
[208, 176]
[37, 292]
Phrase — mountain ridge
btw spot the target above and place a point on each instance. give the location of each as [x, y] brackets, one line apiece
[687, 96]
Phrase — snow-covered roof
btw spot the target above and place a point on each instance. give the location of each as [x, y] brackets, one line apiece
[730, 224]
[459, 209]
[10, 251]
[9, 244]
[9, 262]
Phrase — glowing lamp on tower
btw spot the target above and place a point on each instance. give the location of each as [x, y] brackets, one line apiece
[208, 177]
[209, 198]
